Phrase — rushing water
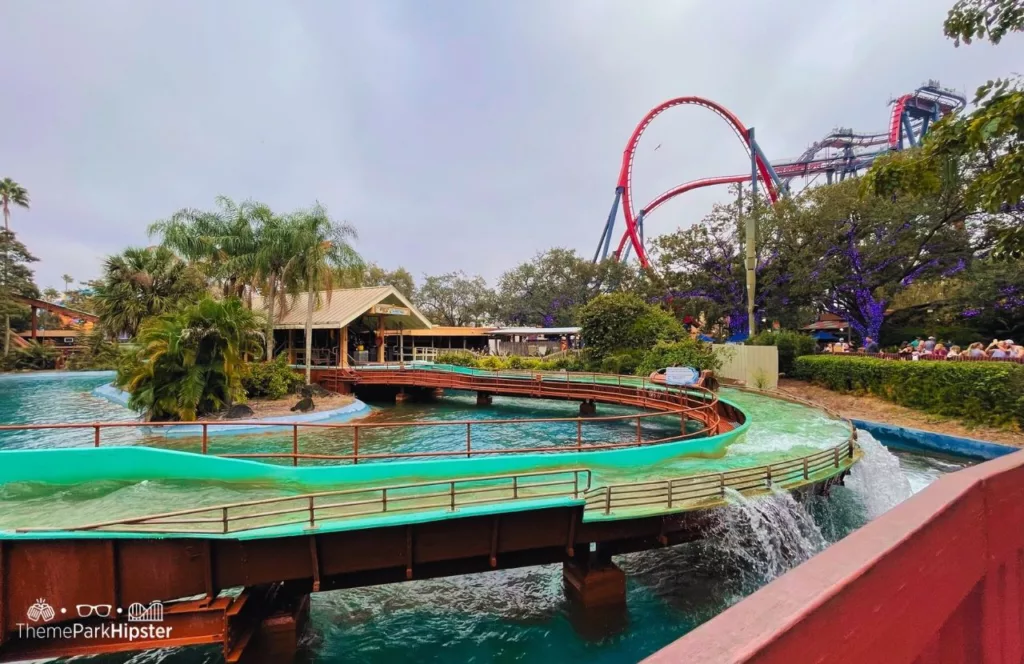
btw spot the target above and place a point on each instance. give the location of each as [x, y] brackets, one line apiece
[519, 615]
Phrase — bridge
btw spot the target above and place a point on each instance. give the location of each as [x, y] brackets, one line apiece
[473, 510]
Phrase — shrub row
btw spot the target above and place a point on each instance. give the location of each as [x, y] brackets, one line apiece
[979, 392]
[511, 362]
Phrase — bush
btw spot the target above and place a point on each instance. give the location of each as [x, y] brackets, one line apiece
[272, 380]
[686, 353]
[99, 354]
[978, 392]
[457, 359]
[34, 358]
[618, 322]
[621, 362]
[791, 345]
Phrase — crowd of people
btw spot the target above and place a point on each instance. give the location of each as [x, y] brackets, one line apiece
[933, 349]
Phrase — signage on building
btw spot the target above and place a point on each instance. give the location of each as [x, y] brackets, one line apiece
[388, 310]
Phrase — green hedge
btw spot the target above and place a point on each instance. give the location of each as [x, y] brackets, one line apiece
[979, 392]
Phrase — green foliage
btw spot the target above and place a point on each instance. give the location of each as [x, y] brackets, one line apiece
[140, 283]
[271, 380]
[190, 362]
[622, 361]
[12, 193]
[618, 322]
[791, 345]
[512, 362]
[15, 279]
[454, 299]
[97, 354]
[457, 359]
[984, 19]
[685, 353]
[978, 392]
[36, 357]
[548, 290]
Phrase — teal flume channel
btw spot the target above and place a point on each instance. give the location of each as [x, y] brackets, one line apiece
[507, 616]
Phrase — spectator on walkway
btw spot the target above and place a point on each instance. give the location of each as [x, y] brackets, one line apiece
[1000, 351]
[929, 345]
[954, 353]
[906, 349]
[940, 352]
[975, 350]
[870, 346]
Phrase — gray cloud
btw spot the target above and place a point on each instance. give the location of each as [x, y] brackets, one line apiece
[454, 134]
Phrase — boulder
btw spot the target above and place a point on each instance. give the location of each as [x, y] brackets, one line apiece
[239, 411]
[305, 405]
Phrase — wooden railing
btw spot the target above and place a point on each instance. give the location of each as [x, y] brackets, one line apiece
[698, 490]
[313, 509]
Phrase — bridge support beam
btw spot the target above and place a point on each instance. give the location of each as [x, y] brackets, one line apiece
[484, 398]
[276, 639]
[592, 583]
[588, 408]
[438, 393]
[401, 396]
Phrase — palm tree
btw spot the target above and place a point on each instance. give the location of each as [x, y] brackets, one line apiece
[51, 295]
[216, 242]
[322, 248]
[67, 279]
[12, 192]
[140, 283]
[191, 361]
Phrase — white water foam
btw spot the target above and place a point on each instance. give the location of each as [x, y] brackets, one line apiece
[765, 536]
[877, 479]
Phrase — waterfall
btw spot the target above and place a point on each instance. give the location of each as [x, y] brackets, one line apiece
[876, 479]
[764, 536]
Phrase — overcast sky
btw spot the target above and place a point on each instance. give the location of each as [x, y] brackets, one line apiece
[465, 134]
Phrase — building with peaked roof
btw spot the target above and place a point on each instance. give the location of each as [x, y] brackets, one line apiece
[349, 324]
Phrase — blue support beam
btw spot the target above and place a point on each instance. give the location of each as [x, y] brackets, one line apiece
[908, 129]
[768, 166]
[609, 228]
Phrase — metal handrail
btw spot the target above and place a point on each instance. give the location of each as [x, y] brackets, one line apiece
[697, 404]
[457, 493]
[672, 493]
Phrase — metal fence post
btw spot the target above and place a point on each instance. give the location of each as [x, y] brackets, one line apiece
[312, 513]
[452, 484]
[469, 443]
[96, 435]
[206, 439]
[295, 444]
[355, 445]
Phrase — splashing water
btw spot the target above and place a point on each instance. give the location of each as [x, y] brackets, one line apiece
[877, 479]
[764, 536]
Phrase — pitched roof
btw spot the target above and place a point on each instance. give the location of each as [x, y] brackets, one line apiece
[337, 308]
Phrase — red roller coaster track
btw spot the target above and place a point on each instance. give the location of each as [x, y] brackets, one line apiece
[625, 183]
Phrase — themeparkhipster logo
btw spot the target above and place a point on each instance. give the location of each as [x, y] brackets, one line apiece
[142, 622]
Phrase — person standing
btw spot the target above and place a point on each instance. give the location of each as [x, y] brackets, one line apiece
[870, 346]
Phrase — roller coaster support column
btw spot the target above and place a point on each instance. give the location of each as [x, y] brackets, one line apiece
[752, 236]
[609, 227]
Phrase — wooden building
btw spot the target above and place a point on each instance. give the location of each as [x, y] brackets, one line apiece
[349, 326]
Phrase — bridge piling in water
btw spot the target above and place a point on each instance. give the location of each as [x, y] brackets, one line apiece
[592, 580]
[588, 408]
[484, 398]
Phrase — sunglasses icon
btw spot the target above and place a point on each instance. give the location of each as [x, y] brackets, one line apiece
[86, 610]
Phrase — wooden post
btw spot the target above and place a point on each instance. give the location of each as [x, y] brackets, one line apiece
[291, 346]
[35, 322]
[401, 348]
[380, 339]
[344, 347]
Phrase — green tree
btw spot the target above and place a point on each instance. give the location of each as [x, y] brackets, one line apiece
[978, 155]
[984, 19]
[322, 249]
[624, 322]
[220, 243]
[12, 192]
[547, 290]
[51, 294]
[15, 279]
[139, 283]
[400, 278]
[191, 361]
[67, 279]
[454, 299]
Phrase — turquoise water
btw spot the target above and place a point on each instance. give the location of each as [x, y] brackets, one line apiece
[506, 616]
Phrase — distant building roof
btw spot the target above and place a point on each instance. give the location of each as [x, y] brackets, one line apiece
[447, 331]
[529, 331]
[827, 325]
[340, 307]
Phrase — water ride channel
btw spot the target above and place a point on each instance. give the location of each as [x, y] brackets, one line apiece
[652, 507]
